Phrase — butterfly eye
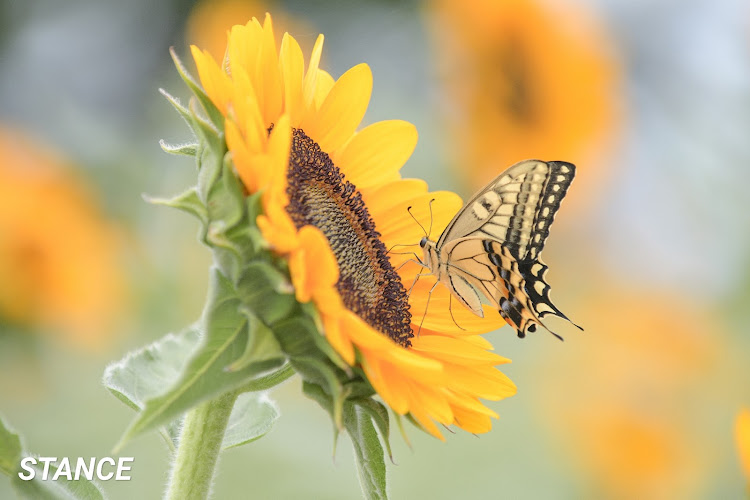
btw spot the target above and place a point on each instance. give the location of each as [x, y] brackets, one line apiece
[423, 241]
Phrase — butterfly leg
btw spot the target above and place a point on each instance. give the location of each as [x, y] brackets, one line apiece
[429, 296]
[450, 309]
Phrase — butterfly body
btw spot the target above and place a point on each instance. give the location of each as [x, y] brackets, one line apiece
[493, 245]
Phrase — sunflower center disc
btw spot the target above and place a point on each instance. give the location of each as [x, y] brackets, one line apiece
[368, 284]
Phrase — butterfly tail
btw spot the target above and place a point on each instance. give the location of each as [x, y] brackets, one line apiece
[538, 290]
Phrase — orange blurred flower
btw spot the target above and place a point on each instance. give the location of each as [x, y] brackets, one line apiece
[742, 432]
[526, 79]
[58, 264]
[210, 21]
[632, 424]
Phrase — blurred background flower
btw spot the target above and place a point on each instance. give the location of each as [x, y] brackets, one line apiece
[526, 79]
[59, 266]
[649, 252]
[742, 433]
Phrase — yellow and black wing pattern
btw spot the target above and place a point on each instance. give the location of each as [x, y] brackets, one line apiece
[495, 242]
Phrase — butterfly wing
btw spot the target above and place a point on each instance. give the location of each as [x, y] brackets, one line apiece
[495, 242]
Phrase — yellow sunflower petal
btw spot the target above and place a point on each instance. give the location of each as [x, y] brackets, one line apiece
[241, 156]
[215, 81]
[469, 403]
[323, 269]
[245, 111]
[386, 382]
[433, 401]
[376, 153]
[292, 67]
[323, 87]
[340, 342]
[311, 77]
[279, 142]
[404, 229]
[381, 198]
[470, 421]
[454, 350]
[269, 73]
[447, 314]
[426, 423]
[484, 382]
[342, 110]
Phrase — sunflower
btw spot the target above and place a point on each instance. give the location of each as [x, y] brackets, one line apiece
[334, 204]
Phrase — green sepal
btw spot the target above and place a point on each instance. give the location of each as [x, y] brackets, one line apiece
[379, 415]
[368, 451]
[319, 395]
[209, 135]
[322, 374]
[186, 149]
[177, 105]
[261, 343]
[402, 429]
[186, 201]
[211, 110]
[263, 289]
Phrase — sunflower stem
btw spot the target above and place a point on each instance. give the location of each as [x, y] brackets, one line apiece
[199, 446]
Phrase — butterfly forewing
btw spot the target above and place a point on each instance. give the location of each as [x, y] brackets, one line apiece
[495, 242]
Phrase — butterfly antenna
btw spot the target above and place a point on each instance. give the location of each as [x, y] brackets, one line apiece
[430, 231]
[408, 209]
[401, 245]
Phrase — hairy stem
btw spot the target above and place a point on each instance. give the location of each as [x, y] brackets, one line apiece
[198, 451]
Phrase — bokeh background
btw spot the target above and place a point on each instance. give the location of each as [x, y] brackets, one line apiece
[650, 252]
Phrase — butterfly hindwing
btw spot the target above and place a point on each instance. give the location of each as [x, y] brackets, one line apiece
[492, 269]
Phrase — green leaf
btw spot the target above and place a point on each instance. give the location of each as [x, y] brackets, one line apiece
[10, 449]
[38, 489]
[59, 489]
[252, 417]
[368, 451]
[224, 339]
[143, 374]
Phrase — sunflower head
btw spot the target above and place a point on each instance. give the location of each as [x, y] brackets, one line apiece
[291, 189]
